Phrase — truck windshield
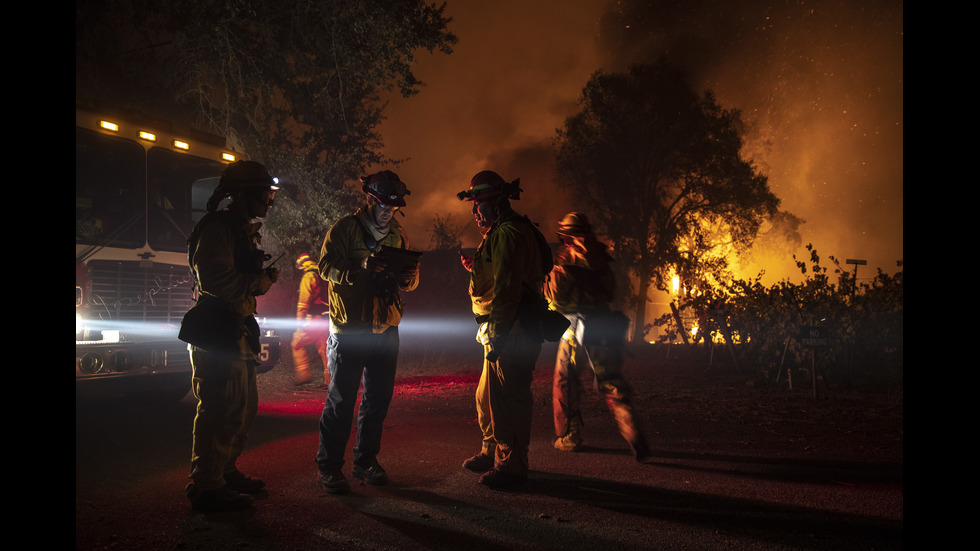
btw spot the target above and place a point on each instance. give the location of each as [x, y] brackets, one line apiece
[109, 190]
[175, 183]
[128, 197]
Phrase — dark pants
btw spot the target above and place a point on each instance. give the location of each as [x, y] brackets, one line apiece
[506, 385]
[227, 403]
[353, 357]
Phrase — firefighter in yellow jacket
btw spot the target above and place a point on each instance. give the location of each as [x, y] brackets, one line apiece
[506, 273]
[365, 310]
[582, 287]
[313, 322]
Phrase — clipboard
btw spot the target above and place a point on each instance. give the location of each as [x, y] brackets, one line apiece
[399, 260]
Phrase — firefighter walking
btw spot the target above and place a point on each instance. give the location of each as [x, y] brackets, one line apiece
[582, 286]
[313, 322]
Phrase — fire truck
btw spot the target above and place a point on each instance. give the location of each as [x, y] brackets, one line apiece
[139, 191]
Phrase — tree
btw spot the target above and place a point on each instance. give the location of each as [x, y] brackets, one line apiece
[657, 166]
[295, 84]
[445, 235]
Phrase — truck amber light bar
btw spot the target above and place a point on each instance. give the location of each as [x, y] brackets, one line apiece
[149, 136]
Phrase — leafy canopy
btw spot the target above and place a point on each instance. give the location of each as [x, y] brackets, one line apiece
[295, 84]
[657, 166]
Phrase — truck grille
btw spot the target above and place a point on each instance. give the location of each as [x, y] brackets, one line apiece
[131, 291]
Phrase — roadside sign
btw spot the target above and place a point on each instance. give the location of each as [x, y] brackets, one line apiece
[814, 337]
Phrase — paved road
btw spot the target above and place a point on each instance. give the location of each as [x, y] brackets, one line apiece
[743, 484]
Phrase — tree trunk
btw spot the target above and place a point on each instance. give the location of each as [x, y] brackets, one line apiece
[639, 321]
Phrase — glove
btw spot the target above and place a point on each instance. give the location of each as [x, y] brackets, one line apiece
[373, 263]
[497, 345]
[408, 276]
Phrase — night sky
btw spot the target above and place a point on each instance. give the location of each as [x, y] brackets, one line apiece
[819, 84]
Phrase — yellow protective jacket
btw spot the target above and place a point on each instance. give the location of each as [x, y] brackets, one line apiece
[313, 299]
[509, 264]
[361, 302]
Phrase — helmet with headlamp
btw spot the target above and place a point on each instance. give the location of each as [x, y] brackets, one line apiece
[386, 187]
[489, 185]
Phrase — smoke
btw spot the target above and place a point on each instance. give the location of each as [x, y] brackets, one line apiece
[819, 85]
[493, 104]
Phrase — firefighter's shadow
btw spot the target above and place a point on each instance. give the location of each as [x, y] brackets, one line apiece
[749, 517]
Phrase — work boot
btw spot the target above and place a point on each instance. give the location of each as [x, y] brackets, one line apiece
[499, 480]
[372, 474]
[479, 463]
[572, 440]
[243, 484]
[333, 482]
[569, 443]
[218, 500]
[641, 450]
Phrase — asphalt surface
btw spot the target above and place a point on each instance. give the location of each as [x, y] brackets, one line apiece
[736, 467]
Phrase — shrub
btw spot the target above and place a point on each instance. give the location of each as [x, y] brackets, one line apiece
[863, 322]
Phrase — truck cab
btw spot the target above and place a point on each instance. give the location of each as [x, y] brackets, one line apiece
[140, 187]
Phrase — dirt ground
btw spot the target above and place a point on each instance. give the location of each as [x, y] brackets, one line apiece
[737, 465]
[693, 402]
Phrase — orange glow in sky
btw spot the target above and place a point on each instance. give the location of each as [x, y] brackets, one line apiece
[819, 84]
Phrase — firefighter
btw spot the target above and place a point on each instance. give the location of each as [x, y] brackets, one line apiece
[506, 273]
[228, 268]
[313, 322]
[582, 287]
[365, 310]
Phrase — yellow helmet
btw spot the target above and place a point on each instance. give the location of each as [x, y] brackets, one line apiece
[302, 260]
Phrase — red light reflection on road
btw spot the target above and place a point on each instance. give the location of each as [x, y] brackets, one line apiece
[309, 403]
[301, 404]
